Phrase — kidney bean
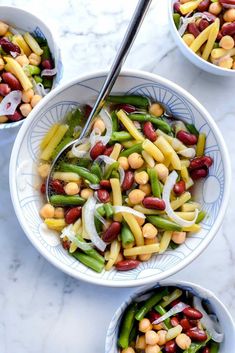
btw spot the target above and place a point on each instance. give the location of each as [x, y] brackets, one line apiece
[228, 29]
[192, 313]
[199, 173]
[87, 110]
[193, 323]
[186, 137]
[73, 214]
[200, 162]
[47, 64]
[196, 334]
[174, 321]
[185, 324]
[170, 347]
[128, 108]
[204, 5]
[154, 203]
[112, 232]
[9, 47]
[179, 187]
[219, 36]
[105, 184]
[4, 89]
[11, 80]
[103, 195]
[192, 28]
[149, 131]
[227, 2]
[203, 24]
[209, 15]
[16, 116]
[176, 301]
[97, 150]
[57, 186]
[126, 265]
[108, 151]
[43, 188]
[66, 244]
[206, 350]
[153, 315]
[128, 180]
[177, 7]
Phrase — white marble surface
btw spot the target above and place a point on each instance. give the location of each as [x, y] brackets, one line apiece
[41, 309]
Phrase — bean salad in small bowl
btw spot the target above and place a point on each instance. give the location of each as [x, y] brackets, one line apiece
[29, 64]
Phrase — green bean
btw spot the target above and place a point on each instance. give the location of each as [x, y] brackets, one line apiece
[163, 223]
[83, 162]
[159, 122]
[162, 311]
[101, 210]
[98, 225]
[173, 245]
[121, 136]
[136, 148]
[137, 101]
[126, 235]
[155, 184]
[32, 69]
[201, 216]
[46, 52]
[83, 172]
[214, 348]
[115, 124]
[66, 200]
[89, 261]
[73, 119]
[108, 208]
[150, 303]
[126, 325]
[37, 79]
[192, 129]
[92, 252]
[195, 347]
[110, 169]
[134, 333]
[114, 174]
[61, 145]
[47, 83]
[96, 169]
[171, 297]
[176, 18]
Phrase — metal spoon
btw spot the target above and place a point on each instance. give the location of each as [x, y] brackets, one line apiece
[120, 58]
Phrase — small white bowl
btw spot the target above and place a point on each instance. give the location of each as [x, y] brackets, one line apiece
[212, 192]
[23, 20]
[224, 317]
[189, 54]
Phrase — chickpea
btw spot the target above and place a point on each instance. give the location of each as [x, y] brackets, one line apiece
[227, 42]
[3, 28]
[3, 119]
[43, 170]
[178, 237]
[183, 341]
[149, 231]
[229, 15]
[22, 60]
[1, 64]
[156, 109]
[145, 325]
[151, 337]
[59, 212]
[123, 162]
[135, 160]
[128, 350]
[136, 196]
[25, 109]
[86, 193]
[35, 100]
[140, 343]
[145, 257]
[140, 220]
[99, 125]
[34, 59]
[215, 8]
[188, 38]
[27, 95]
[47, 211]
[162, 171]
[146, 189]
[162, 337]
[152, 349]
[226, 63]
[141, 178]
[71, 188]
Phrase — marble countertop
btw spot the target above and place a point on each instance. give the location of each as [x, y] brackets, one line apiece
[41, 309]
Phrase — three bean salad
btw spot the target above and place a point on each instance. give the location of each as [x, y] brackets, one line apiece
[123, 194]
[169, 320]
[208, 28]
[26, 72]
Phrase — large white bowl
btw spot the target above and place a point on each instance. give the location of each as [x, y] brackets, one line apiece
[189, 54]
[213, 192]
[225, 319]
[23, 20]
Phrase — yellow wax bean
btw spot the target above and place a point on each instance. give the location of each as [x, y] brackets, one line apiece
[148, 159]
[190, 206]
[189, 6]
[188, 216]
[77, 226]
[164, 146]
[217, 53]
[185, 163]
[165, 241]
[201, 142]
[55, 140]
[34, 46]
[114, 252]
[201, 39]
[135, 228]
[153, 150]
[47, 138]
[189, 183]
[181, 200]
[147, 211]
[184, 173]
[194, 228]
[128, 144]
[14, 67]
[211, 39]
[116, 151]
[140, 250]
[19, 40]
[66, 176]
[117, 196]
[56, 224]
[129, 126]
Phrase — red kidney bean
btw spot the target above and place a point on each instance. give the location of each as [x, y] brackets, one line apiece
[203, 24]
[204, 5]
[200, 162]
[128, 180]
[105, 184]
[196, 334]
[179, 187]
[174, 321]
[16, 116]
[126, 265]
[4, 89]
[170, 347]
[57, 186]
[43, 188]
[103, 195]
[9, 47]
[185, 324]
[199, 173]
[153, 315]
[219, 36]
[206, 350]
[97, 150]
[186, 137]
[11, 80]
[177, 7]
[227, 2]
[47, 64]
[149, 131]
[228, 29]
[87, 110]
[66, 244]
[108, 151]
[193, 323]
[128, 108]
[192, 313]
[192, 28]
[176, 301]
[154, 203]
[112, 232]
[73, 214]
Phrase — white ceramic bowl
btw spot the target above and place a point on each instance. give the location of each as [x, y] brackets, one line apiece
[189, 54]
[225, 319]
[213, 192]
[23, 20]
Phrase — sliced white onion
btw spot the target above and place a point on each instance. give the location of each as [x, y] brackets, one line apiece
[178, 308]
[106, 159]
[94, 136]
[94, 186]
[39, 89]
[10, 102]
[70, 234]
[49, 72]
[184, 21]
[81, 149]
[13, 30]
[188, 152]
[89, 209]
[14, 54]
[143, 297]
[169, 184]
[101, 219]
[122, 174]
[207, 322]
[97, 137]
[126, 209]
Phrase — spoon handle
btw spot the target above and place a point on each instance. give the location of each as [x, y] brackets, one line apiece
[120, 58]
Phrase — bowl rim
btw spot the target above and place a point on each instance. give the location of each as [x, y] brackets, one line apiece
[210, 66]
[56, 49]
[122, 283]
[199, 288]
